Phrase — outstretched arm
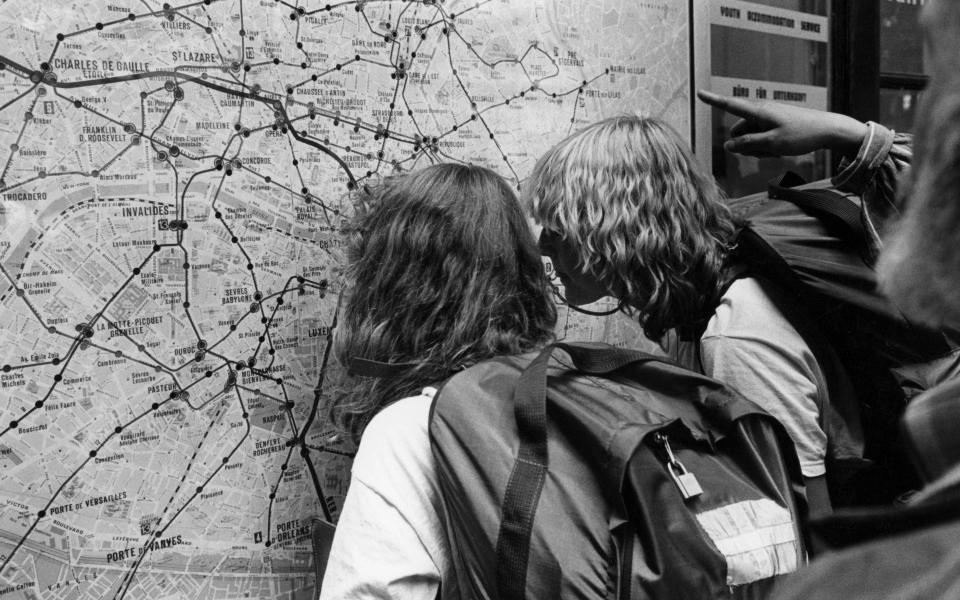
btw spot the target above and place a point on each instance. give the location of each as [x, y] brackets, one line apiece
[774, 129]
[875, 158]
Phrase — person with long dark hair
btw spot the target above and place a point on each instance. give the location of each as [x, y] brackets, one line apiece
[628, 212]
[444, 272]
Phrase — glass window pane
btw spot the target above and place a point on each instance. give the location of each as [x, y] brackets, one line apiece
[901, 38]
[767, 50]
[898, 108]
[760, 56]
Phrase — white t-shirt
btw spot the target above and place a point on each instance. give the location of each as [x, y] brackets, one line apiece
[750, 346]
[390, 541]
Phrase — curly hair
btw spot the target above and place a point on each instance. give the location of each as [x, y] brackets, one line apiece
[443, 272]
[645, 221]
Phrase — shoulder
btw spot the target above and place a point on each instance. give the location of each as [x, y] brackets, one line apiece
[747, 325]
[394, 421]
[746, 309]
[394, 453]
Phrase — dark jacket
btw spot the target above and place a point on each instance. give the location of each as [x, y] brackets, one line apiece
[907, 553]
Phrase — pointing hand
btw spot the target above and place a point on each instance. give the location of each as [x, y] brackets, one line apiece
[775, 129]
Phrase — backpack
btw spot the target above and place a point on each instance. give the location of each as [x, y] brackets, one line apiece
[808, 248]
[601, 472]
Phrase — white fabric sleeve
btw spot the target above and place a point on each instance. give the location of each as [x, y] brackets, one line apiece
[750, 346]
[390, 542]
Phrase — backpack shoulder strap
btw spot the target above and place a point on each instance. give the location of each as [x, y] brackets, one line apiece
[819, 200]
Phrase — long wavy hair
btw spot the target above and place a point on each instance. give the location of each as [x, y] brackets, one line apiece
[443, 272]
[645, 221]
[920, 264]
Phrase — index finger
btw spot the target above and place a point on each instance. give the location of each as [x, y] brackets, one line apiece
[735, 106]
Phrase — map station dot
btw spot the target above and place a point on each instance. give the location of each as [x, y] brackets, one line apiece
[117, 429]
[93, 453]
[154, 406]
[58, 377]
[13, 424]
[41, 514]
[38, 404]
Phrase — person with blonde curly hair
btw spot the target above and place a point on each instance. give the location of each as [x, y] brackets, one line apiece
[627, 212]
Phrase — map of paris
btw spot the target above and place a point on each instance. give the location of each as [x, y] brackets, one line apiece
[174, 181]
